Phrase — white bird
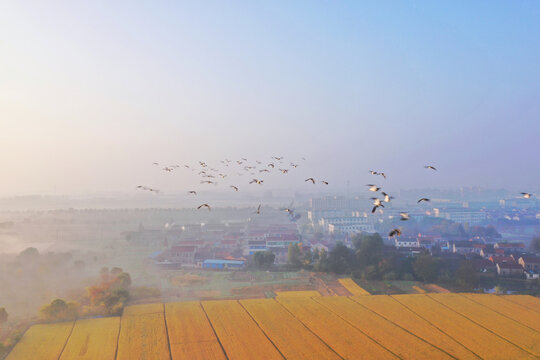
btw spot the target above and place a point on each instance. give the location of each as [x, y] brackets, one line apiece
[257, 181]
[234, 187]
[373, 188]
[430, 167]
[310, 179]
[387, 198]
[526, 195]
[324, 182]
[404, 216]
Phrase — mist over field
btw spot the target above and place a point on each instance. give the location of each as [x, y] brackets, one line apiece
[272, 165]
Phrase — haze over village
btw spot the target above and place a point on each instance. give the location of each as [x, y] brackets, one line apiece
[296, 180]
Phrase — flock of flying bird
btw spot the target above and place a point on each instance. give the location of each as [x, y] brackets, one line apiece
[209, 174]
[257, 170]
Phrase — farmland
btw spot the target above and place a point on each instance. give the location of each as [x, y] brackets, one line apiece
[412, 326]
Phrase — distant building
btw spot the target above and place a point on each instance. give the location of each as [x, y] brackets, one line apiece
[509, 269]
[484, 266]
[530, 263]
[461, 215]
[255, 245]
[406, 242]
[223, 264]
[510, 246]
[347, 225]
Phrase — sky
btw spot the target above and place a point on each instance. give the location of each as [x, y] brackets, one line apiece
[91, 93]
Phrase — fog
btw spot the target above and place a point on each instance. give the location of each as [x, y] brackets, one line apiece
[164, 152]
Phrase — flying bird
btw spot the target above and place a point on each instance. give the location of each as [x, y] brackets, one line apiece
[157, 164]
[422, 199]
[526, 195]
[271, 165]
[257, 181]
[192, 192]
[387, 198]
[430, 167]
[404, 216]
[264, 170]
[168, 169]
[204, 205]
[258, 211]
[324, 182]
[284, 171]
[394, 232]
[377, 202]
[375, 208]
[207, 182]
[310, 179]
[373, 188]
[234, 187]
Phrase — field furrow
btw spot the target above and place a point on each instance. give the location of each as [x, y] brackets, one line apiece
[93, 339]
[389, 335]
[291, 337]
[46, 340]
[530, 302]
[479, 340]
[343, 338]
[190, 334]
[393, 311]
[240, 336]
[509, 309]
[517, 334]
[353, 287]
[143, 337]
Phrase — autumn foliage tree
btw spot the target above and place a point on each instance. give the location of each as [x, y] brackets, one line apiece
[112, 293]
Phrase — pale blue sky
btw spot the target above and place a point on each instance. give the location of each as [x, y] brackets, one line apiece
[92, 92]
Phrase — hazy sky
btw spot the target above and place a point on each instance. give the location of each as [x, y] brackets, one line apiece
[91, 93]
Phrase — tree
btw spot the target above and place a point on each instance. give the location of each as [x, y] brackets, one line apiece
[466, 276]
[339, 261]
[123, 280]
[3, 315]
[264, 259]
[58, 309]
[293, 255]
[426, 268]
[29, 253]
[369, 249]
[535, 244]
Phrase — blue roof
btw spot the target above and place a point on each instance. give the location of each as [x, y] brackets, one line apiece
[218, 261]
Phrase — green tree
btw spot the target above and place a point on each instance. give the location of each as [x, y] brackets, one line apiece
[426, 268]
[369, 249]
[3, 315]
[58, 309]
[263, 259]
[293, 255]
[123, 280]
[29, 253]
[535, 244]
[466, 276]
[339, 261]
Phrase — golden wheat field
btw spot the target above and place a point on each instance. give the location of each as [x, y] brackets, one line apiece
[301, 293]
[353, 287]
[417, 326]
